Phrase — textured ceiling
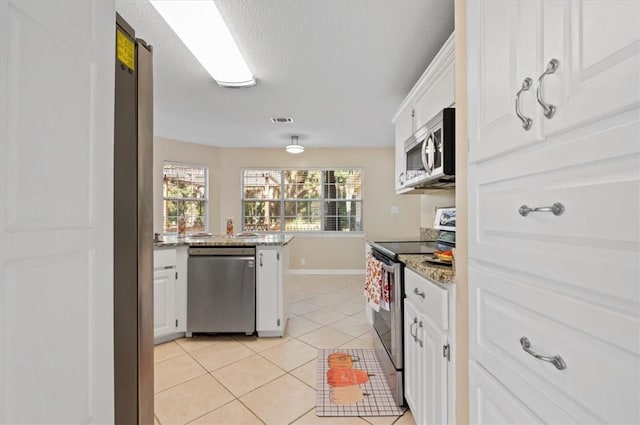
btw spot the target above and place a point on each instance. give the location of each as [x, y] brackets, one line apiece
[340, 68]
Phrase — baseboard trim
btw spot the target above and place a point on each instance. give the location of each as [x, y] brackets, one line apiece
[168, 338]
[326, 271]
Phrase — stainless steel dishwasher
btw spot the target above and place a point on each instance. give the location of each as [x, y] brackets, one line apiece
[221, 290]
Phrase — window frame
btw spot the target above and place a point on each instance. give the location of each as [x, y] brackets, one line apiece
[205, 199]
[323, 201]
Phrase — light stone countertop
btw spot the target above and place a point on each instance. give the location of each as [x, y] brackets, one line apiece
[221, 240]
[440, 274]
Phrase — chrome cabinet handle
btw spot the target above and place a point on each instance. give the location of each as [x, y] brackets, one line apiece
[557, 209]
[526, 121]
[549, 110]
[400, 179]
[419, 293]
[419, 340]
[260, 259]
[415, 322]
[556, 360]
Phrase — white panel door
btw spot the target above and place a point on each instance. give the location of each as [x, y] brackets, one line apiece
[597, 44]
[493, 404]
[431, 342]
[414, 375]
[56, 191]
[503, 48]
[268, 290]
[164, 302]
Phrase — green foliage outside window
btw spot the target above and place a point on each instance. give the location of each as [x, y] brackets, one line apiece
[302, 200]
[185, 192]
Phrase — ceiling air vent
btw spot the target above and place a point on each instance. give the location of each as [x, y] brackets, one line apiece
[281, 120]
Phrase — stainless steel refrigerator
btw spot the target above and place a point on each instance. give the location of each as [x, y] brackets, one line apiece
[133, 228]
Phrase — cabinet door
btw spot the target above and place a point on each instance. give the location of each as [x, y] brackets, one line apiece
[493, 404]
[413, 375]
[431, 342]
[404, 129]
[502, 47]
[268, 290]
[164, 302]
[597, 44]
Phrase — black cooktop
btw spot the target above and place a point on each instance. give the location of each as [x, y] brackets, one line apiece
[408, 247]
[394, 248]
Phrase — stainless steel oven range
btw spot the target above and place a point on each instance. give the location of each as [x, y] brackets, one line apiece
[388, 324]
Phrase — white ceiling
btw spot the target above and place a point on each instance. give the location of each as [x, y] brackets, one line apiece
[340, 68]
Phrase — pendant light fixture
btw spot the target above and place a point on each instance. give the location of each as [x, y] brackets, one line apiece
[294, 147]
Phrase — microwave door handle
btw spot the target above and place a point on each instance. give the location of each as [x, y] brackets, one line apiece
[425, 146]
[423, 153]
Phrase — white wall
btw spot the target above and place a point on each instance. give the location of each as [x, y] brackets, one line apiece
[432, 200]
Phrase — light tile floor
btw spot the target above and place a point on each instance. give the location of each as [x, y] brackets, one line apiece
[238, 379]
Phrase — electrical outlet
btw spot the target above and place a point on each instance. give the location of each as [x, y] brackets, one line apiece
[303, 261]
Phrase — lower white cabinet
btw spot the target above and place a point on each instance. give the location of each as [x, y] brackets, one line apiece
[164, 302]
[427, 351]
[169, 293]
[492, 404]
[271, 290]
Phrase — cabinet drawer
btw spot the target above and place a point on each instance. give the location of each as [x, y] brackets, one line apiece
[595, 240]
[599, 345]
[429, 298]
[494, 404]
[163, 258]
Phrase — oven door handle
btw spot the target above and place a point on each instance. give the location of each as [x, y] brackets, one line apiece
[388, 269]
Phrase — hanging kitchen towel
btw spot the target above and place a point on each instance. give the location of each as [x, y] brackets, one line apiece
[372, 283]
[385, 285]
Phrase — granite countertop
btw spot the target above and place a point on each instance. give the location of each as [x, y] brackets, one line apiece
[221, 240]
[440, 274]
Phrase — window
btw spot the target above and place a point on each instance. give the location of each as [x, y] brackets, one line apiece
[302, 200]
[185, 192]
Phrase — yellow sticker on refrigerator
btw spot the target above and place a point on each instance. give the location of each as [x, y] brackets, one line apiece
[125, 49]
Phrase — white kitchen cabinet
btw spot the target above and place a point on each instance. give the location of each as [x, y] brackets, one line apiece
[595, 44]
[427, 350]
[271, 290]
[433, 92]
[560, 281]
[493, 404]
[413, 364]
[169, 293]
[164, 302]
[404, 128]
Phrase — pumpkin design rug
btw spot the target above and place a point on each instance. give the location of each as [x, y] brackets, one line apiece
[351, 383]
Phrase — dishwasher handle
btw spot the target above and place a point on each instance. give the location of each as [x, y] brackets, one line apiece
[231, 252]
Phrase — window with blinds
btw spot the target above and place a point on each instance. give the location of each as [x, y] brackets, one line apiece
[302, 200]
[185, 192]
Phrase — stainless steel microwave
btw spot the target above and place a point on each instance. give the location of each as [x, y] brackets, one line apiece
[430, 156]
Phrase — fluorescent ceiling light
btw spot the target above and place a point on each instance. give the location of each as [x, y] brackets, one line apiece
[202, 29]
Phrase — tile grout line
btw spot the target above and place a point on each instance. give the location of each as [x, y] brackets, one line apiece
[254, 350]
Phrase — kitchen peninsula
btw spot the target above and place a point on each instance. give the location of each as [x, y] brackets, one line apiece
[269, 258]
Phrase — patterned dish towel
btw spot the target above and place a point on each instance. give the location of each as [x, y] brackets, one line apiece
[373, 282]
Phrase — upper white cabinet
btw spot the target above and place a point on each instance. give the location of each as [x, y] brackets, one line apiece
[433, 92]
[541, 68]
[271, 290]
[554, 231]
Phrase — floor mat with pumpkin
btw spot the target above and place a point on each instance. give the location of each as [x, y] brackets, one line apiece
[351, 383]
